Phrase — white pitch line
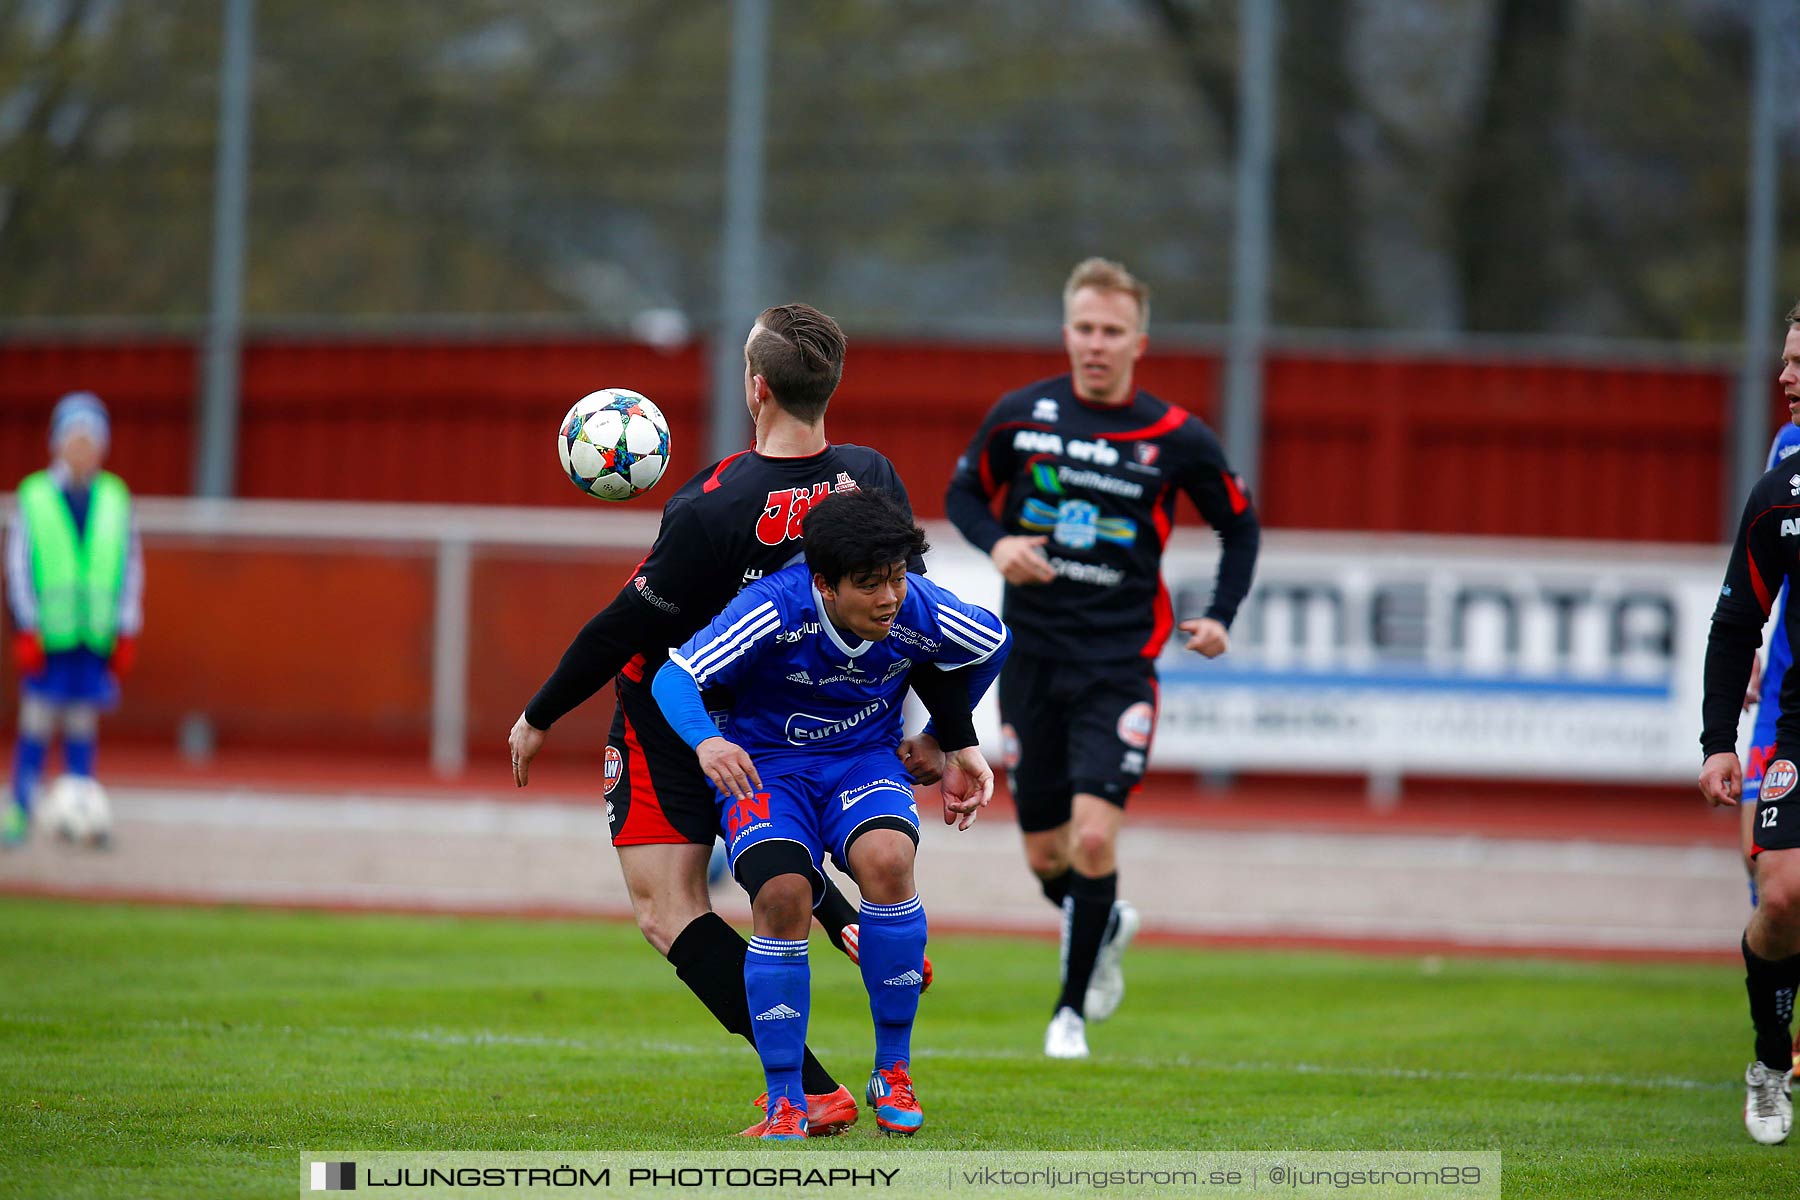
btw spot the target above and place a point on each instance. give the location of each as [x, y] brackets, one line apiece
[600, 1046]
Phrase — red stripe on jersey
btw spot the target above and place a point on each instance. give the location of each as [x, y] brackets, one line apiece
[988, 483]
[645, 822]
[1239, 501]
[634, 671]
[633, 573]
[1163, 424]
[1165, 609]
[1764, 596]
[712, 483]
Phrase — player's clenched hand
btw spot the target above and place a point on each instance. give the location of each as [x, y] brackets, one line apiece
[923, 758]
[730, 769]
[967, 786]
[1206, 636]
[1021, 560]
[1721, 779]
[524, 742]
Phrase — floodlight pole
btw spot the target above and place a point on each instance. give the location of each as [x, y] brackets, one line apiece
[740, 237]
[1756, 369]
[215, 458]
[1259, 26]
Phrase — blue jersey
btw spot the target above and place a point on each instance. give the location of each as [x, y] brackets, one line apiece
[802, 687]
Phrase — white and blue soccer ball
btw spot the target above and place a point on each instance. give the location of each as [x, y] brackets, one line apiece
[614, 444]
[76, 809]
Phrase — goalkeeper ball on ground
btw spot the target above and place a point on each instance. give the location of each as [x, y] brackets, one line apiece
[76, 810]
[614, 444]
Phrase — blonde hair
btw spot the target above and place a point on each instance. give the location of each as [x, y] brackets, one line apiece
[1106, 275]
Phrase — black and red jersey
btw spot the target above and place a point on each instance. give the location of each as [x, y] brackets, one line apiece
[1100, 481]
[1765, 555]
[735, 521]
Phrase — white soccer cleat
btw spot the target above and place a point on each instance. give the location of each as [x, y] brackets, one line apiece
[1106, 986]
[1768, 1104]
[1067, 1035]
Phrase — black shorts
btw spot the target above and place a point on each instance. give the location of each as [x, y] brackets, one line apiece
[1777, 824]
[1071, 728]
[656, 793]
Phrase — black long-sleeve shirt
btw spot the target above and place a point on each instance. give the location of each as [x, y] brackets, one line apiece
[1100, 482]
[1766, 552]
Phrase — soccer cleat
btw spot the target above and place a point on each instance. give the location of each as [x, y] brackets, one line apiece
[787, 1124]
[1067, 1035]
[825, 1115]
[1106, 986]
[1768, 1104]
[852, 951]
[890, 1094]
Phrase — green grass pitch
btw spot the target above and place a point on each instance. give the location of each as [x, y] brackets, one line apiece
[187, 1052]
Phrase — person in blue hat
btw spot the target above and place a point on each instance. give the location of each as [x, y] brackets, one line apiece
[74, 571]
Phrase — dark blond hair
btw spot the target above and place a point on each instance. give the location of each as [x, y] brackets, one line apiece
[1793, 317]
[799, 351]
[1103, 274]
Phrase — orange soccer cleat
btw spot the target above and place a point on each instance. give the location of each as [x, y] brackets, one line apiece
[825, 1115]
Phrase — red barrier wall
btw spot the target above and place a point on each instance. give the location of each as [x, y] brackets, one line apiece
[1353, 442]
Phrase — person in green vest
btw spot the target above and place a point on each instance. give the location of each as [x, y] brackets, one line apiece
[74, 589]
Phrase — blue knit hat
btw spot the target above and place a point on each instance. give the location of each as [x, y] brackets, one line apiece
[80, 412]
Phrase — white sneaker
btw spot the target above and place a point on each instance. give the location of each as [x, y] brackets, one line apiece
[1106, 986]
[1067, 1035]
[1768, 1104]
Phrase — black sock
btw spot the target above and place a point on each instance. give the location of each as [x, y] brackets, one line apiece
[1771, 987]
[708, 956]
[834, 912]
[1085, 914]
[1056, 886]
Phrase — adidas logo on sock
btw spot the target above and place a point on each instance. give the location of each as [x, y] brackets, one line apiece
[910, 979]
[780, 1012]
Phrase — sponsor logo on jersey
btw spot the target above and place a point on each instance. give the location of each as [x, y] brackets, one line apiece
[785, 509]
[655, 601]
[1095, 573]
[1790, 527]
[1045, 409]
[851, 796]
[900, 666]
[747, 813]
[1076, 524]
[1779, 779]
[799, 677]
[1146, 453]
[612, 769]
[1135, 724]
[789, 636]
[1059, 477]
[1009, 748]
[1794, 485]
[804, 729]
[1040, 441]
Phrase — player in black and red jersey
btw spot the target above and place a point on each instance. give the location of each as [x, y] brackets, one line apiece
[1763, 560]
[1088, 467]
[732, 523]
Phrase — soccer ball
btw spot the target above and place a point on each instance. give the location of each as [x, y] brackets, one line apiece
[76, 810]
[614, 444]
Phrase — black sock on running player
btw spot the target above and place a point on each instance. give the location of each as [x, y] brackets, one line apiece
[1085, 914]
[708, 956]
[1056, 886]
[834, 912]
[1771, 988]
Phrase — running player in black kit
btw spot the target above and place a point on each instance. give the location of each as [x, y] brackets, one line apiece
[1088, 467]
[734, 522]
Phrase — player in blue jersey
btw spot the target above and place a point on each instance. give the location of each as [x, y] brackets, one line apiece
[816, 658]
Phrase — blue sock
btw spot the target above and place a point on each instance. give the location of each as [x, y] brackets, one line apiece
[78, 756]
[893, 965]
[778, 984]
[28, 764]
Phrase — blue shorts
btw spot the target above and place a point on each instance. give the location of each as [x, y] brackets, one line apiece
[74, 677]
[821, 807]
